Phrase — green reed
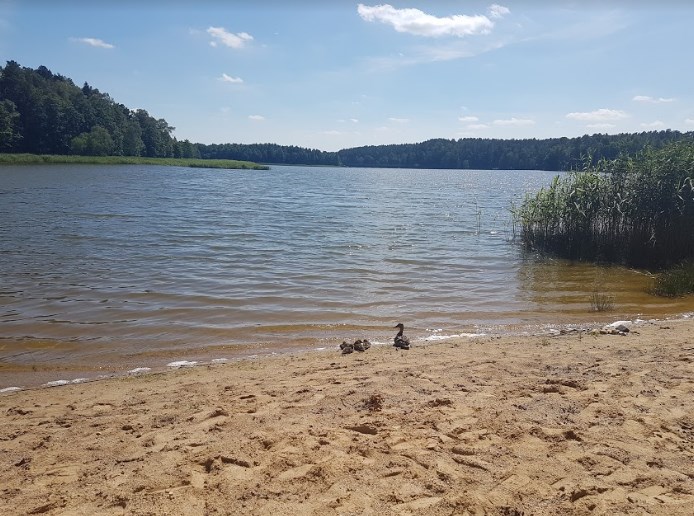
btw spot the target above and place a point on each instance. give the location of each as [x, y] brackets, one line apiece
[677, 281]
[601, 301]
[37, 159]
[638, 211]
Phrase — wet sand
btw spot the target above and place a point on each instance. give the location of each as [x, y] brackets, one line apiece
[570, 424]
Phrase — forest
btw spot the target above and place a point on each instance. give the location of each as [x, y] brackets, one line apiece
[46, 113]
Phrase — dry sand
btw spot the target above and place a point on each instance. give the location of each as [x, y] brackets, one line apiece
[514, 425]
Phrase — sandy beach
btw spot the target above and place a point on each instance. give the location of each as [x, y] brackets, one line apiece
[567, 424]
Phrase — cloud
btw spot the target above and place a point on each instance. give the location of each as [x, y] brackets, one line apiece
[257, 118]
[498, 11]
[419, 23]
[516, 122]
[93, 42]
[689, 121]
[468, 119]
[652, 100]
[599, 115]
[653, 125]
[228, 39]
[475, 127]
[228, 78]
[399, 120]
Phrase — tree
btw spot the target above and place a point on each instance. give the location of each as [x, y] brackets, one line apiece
[9, 126]
[97, 142]
[132, 139]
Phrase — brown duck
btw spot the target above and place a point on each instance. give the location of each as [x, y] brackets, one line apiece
[401, 341]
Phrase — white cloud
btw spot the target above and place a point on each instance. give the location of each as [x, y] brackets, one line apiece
[653, 125]
[333, 133]
[93, 42]
[598, 115]
[228, 78]
[228, 39]
[517, 122]
[475, 127]
[652, 100]
[399, 120]
[419, 23]
[468, 119]
[689, 121]
[354, 120]
[498, 11]
[258, 118]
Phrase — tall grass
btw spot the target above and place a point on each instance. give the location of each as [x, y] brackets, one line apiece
[33, 159]
[601, 302]
[675, 282]
[636, 211]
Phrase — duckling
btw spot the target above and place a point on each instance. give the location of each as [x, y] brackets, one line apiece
[362, 345]
[346, 348]
[400, 341]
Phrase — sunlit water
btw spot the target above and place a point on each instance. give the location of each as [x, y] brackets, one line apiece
[116, 266]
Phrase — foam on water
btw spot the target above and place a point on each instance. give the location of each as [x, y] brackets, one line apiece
[139, 370]
[433, 338]
[10, 389]
[56, 383]
[181, 363]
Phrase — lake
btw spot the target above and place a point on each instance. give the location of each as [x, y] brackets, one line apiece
[106, 268]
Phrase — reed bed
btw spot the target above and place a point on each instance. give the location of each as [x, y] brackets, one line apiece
[637, 211]
[35, 159]
[677, 281]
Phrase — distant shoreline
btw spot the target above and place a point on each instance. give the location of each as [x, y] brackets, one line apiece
[41, 159]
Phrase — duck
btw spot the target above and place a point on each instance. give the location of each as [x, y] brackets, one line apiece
[401, 341]
[346, 348]
[362, 345]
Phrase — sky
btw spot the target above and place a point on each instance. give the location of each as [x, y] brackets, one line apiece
[336, 74]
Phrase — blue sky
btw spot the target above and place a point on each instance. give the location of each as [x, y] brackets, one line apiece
[335, 74]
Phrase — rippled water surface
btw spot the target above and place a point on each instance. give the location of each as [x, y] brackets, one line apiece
[102, 263]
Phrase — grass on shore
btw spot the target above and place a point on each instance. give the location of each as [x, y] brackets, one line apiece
[37, 159]
[675, 282]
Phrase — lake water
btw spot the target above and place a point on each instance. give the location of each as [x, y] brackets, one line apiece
[105, 268]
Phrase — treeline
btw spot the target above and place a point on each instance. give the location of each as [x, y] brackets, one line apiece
[268, 153]
[490, 154]
[469, 153]
[46, 113]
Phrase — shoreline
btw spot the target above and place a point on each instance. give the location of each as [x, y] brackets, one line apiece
[566, 424]
[60, 159]
[46, 376]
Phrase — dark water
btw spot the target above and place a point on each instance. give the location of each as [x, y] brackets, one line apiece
[133, 265]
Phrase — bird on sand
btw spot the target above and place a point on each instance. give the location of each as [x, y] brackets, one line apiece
[359, 345]
[362, 345]
[401, 341]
